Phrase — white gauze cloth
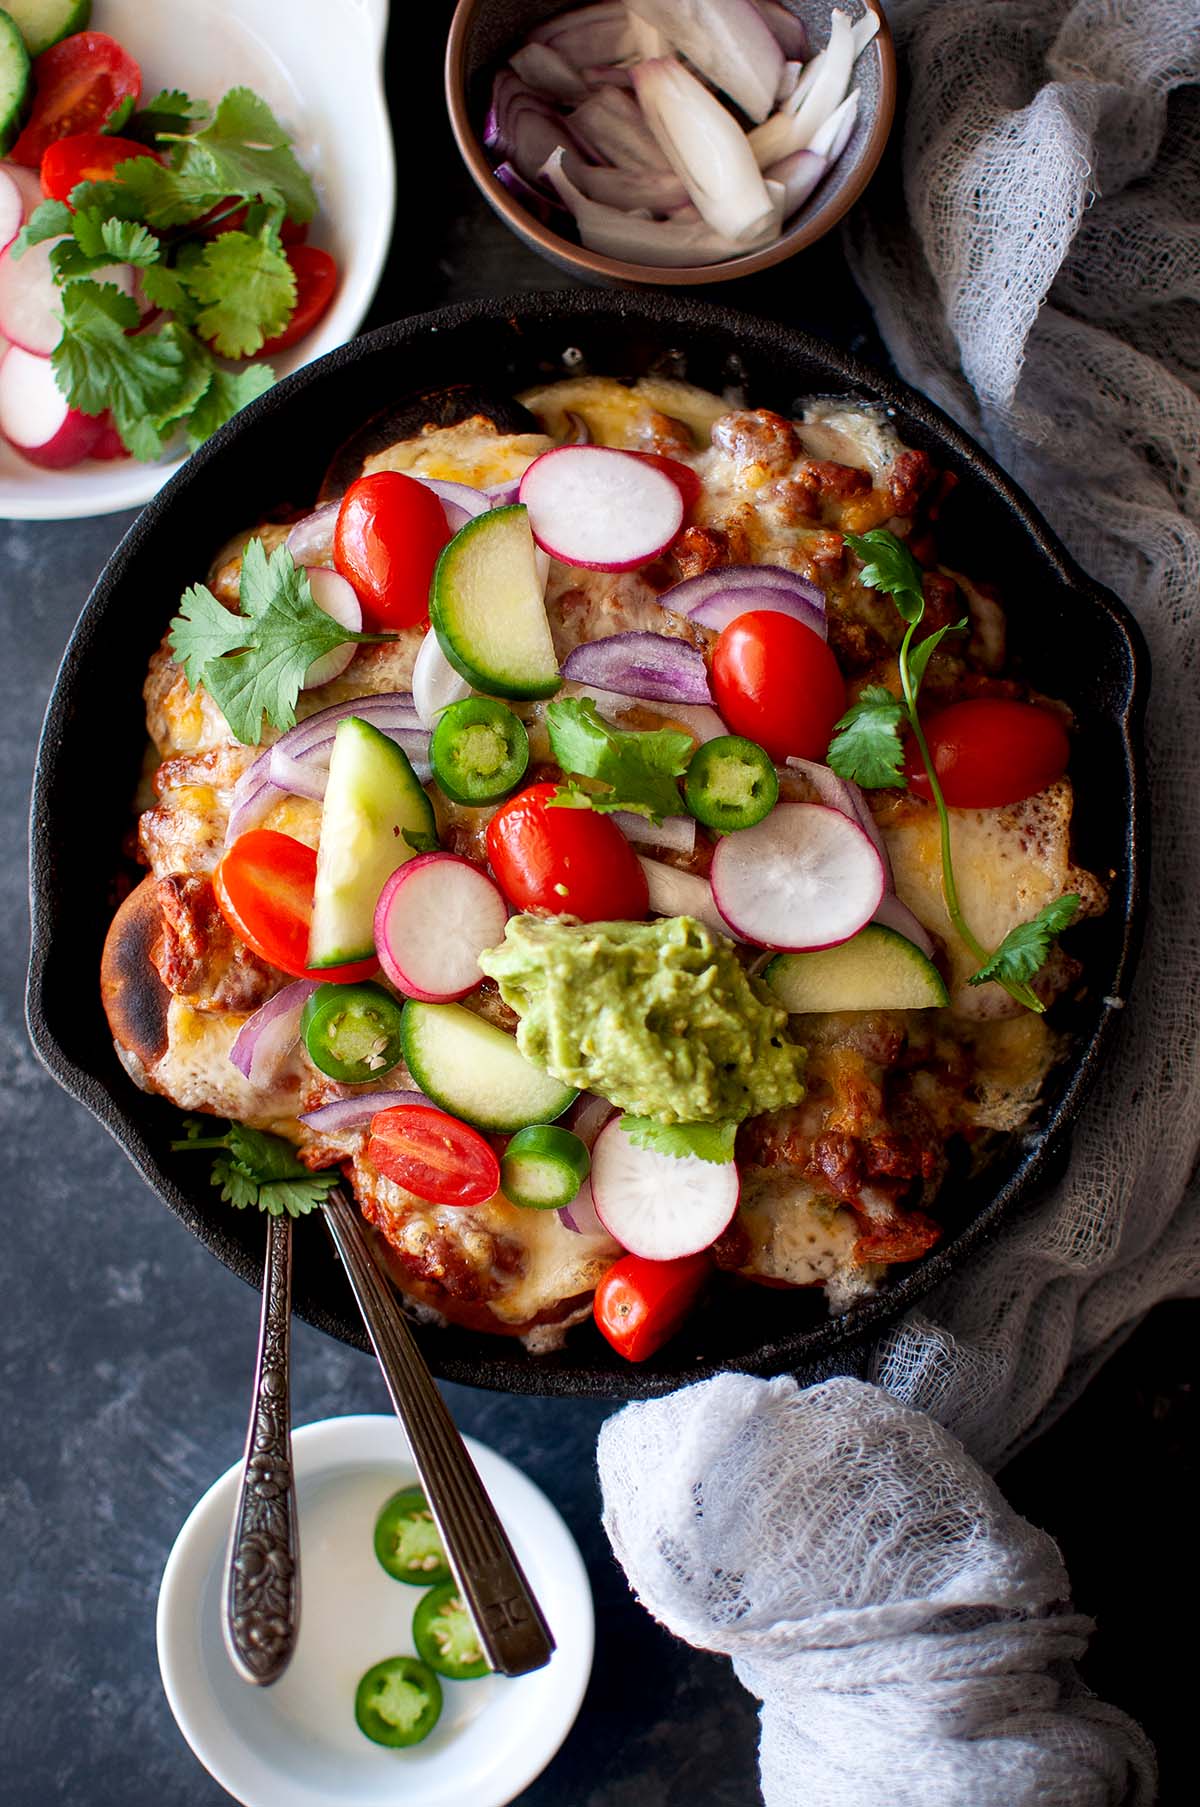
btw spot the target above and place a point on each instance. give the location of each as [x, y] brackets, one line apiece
[906, 1631]
[1032, 257]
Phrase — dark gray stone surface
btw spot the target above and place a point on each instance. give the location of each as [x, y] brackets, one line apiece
[127, 1350]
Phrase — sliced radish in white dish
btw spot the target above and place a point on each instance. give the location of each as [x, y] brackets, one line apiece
[806, 876]
[12, 210]
[895, 915]
[35, 417]
[605, 510]
[435, 683]
[28, 185]
[435, 916]
[676, 893]
[30, 304]
[267, 1037]
[660, 1206]
[337, 599]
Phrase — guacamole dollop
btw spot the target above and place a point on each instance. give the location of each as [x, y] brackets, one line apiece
[659, 1017]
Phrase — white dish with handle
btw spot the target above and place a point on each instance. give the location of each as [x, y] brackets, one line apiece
[319, 67]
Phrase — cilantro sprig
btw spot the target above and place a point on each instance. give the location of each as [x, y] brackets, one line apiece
[228, 294]
[706, 1141]
[867, 747]
[255, 1169]
[253, 664]
[638, 770]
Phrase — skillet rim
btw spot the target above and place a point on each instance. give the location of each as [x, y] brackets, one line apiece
[838, 1341]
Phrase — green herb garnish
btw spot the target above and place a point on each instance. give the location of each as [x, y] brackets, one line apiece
[707, 1141]
[253, 664]
[259, 1170]
[637, 769]
[868, 749]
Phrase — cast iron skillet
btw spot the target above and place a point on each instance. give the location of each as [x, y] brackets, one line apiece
[1072, 636]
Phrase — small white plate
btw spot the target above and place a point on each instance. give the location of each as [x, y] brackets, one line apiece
[318, 65]
[296, 1744]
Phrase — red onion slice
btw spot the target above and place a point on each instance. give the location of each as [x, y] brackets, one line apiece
[676, 893]
[253, 797]
[353, 1113]
[544, 208]
[653, 666]
[502, 495]
[719, 610]
[547, 70]
[895, 915]
[589, 34]
[311, 540]
[789, 32]
[337, 599]
[589, 1114]
[703, 722]
[306, 774]
[271, 1033]
[460, 502]
[581, 1215]
[799, 175]
[841, 794]
[677, 833]
[435, 682]
[391, 706]
[686, 597]
[729, 41]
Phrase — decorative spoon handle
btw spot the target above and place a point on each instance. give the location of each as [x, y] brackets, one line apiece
[262, 1583]
[511, 1627]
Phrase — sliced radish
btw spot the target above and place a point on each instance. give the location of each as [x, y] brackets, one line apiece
[337, 599]
[109, 445]
[12, 210]
[311, 540]
[28, 184]
[435, 683]
[660, 1205]
[676, 893]
[895, 915]
[607, 510]
[841, 793]
[434, 918]
[35, 417]
[804, 877]
[30, 304]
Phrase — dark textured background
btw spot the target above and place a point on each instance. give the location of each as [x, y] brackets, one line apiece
[127, 1350]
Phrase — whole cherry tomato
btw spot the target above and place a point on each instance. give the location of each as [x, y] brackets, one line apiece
[316, 282]
[989, 751]
[390, 530]
[682, 475]
[78, 83]
[85, 157]
[777, 682]
[572, 862]
[639, 1304]
[434, 1155]
[264, 890]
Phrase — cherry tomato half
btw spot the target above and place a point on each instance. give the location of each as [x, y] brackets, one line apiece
[264, 890]
[640, 1304]
[390, 530]
[990, 751]
[434, 1155]
[316, 283]
[573, 862]
[682, 475]
[85, 157]
[777, 682]
[78, 83]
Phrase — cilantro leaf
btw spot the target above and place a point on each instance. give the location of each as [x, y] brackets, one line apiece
[94, 361]
[1025, 949]
[247, 291]
[639, 768]
[243, 151]
[888, 565]
[707, 1141]
[119, 118]
[866, 746]
[162, 196]
[259, 1170]
[163, 287]
[165, 113]
[50, 219]
[253, 664]
[227, 392]
[924, 650]
[107, 199]
[127, 242]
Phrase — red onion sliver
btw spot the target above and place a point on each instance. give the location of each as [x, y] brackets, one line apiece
[642, 665]
[311, 540]
[303, 776]
[353, 1113]
[460, 501]
[272, 1032]
[676, 893]
[589, 1114]
[789, 32]
[701, 721]
[717, 611]
[547, 70]
[394, 707]
[684, 598]
[895, 915]
[337, 598]
[580, 1215]
[502, 495]
[534, 200]
[678, 833]
[799, 175]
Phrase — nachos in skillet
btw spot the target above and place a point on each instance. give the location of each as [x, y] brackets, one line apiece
[643, 831]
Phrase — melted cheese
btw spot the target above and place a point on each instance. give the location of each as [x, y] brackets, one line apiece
[796, 1235]
[471, 452]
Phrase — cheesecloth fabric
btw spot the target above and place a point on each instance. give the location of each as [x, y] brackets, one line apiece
[1032, 257]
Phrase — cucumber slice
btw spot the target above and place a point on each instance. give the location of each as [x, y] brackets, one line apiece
[372, 801]
[43, 22]
[877, 969]
[15, 83]
[486, 607]
[475, 1071]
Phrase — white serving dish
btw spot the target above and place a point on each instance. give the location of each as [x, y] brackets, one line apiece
[296, 1744]
[318, 64]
